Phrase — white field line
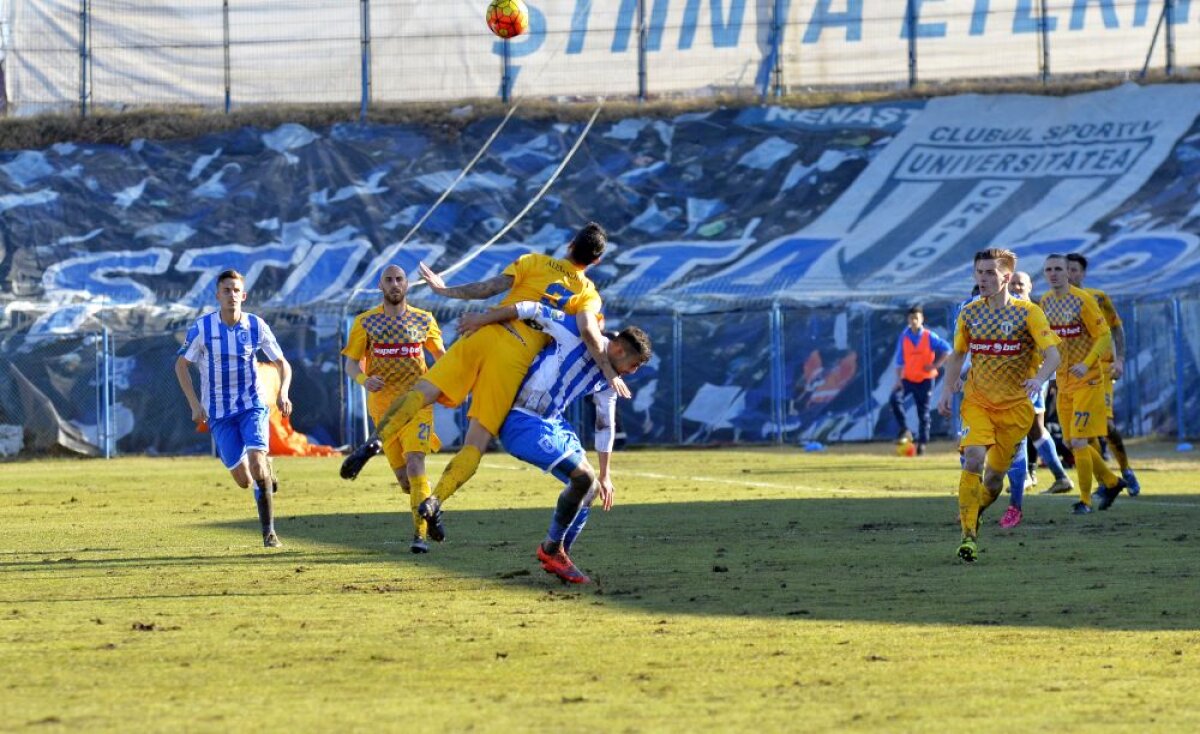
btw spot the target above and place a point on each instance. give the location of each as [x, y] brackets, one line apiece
[806, 488]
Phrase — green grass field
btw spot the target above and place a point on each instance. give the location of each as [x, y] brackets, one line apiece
[736, 590]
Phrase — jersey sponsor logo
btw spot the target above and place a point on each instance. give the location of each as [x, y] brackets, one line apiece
[995, 346]
[396, 351]
[1067, 331]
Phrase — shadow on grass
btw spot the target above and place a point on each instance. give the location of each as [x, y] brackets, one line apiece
[887, 560]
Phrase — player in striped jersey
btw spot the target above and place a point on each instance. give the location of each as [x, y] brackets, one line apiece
[222, 345]
[1113, 364]
[1003, 335]
[490, 363]
[536, 432]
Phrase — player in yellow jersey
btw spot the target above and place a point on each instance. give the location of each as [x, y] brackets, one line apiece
[1003, 335]
[1075, 317]
[1113, 363]
[489, 364]
[385, 353]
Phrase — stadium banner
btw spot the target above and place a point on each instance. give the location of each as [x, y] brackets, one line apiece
[311, 52]
[835, 215]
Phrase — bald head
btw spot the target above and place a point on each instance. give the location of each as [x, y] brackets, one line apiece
[393, 284]
[1021, 286]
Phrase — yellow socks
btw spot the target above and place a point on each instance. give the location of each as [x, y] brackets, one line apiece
[1100, 469]
[420, 490]
[399, 414]
[970, 489]
[460, 469]
[1083, 472]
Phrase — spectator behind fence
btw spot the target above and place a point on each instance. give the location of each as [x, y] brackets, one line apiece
[919, 354]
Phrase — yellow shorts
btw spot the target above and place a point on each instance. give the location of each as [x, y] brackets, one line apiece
[1081, 412]
[489, 365]
[417, 437]
[1000, 430]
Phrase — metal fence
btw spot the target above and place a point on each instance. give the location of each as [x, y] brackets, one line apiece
[63, 54]
[784, 375]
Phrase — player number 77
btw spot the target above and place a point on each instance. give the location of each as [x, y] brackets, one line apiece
[1081, 418]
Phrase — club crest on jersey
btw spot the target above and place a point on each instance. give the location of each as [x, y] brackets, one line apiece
[243, 337]
[1007, 327]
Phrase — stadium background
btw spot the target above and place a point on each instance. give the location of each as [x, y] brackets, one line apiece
[769, 251]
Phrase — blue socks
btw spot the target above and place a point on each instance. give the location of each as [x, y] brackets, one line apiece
[1048, 454]
[575, 529]
[1018, 473]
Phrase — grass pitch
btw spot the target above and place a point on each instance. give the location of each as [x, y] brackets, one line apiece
[736, 590]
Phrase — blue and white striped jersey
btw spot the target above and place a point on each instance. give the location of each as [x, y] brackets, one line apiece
[563, 371]
[225, 358]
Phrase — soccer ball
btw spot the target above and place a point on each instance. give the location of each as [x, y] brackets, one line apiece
[508, 18]
[905, 447]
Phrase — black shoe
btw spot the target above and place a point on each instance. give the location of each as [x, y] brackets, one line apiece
[1105, 496]
[431, 511]
[418, 545]
[920, 449]
[1080, 509]
[359, 457]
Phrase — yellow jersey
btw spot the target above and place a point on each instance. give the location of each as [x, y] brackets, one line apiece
[1005, 345]
[1111, 317]
[558, 283]
[393, 348]
[1077, 320]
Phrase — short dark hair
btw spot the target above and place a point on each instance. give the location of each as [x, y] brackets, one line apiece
[916, 308]
[588, 244]
[231, 273]
[637, 342]
[1075, 257]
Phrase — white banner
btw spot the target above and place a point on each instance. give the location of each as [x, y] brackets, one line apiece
[308, 51]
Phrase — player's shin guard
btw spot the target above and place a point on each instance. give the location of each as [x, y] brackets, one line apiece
[970, 489]
[1046, 450]
[419, 491]
[1083, 472]
[266, 508]
[399, 414]
[1117, 445]
[460, 469]
[1100, 469]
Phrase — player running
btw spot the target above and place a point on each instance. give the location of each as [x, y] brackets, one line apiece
[536, 432]
[1113, 364]
[1002, 334]
[390, 341]
[490, 363]
[1076, 318]
[223, 345]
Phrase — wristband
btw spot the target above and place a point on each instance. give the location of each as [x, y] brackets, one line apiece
[361, 378]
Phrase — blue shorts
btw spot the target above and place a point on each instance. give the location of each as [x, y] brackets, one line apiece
[238, 433]
[550, 444]
[1039, 400]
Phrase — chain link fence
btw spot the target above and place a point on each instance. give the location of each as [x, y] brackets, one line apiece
[781, 375]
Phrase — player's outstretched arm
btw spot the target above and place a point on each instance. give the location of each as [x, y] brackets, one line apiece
[589, 329]
[469, 323]
[183, 374]
[1118, 346]
[469, 292]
